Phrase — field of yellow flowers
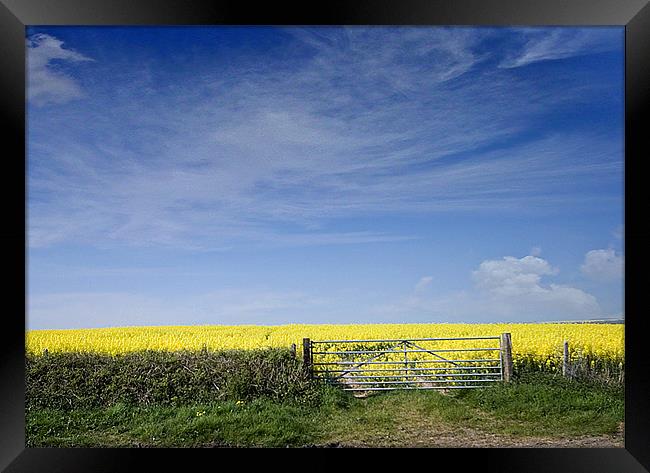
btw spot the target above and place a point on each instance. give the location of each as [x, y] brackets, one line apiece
[533, 344]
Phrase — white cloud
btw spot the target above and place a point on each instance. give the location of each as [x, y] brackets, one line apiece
[506, 290]
[46, 82]
[559, 43]
[514, 286]
[511, 276]
[603, 265]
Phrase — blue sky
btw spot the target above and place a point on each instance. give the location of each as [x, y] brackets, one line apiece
[263, 175]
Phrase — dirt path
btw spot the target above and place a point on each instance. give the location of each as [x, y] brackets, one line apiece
[474, 438]
[431, 434]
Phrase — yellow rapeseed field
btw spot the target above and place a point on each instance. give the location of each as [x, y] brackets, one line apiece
[541, 342]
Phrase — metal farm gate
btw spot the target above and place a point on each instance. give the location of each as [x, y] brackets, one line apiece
[423, 363]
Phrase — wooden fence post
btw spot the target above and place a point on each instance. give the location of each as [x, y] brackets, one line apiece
[306, 354]
[565, 360]
[506, 356]
[293, 350]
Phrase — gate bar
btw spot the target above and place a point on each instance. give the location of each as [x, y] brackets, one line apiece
[437, 381]
[414, 369]
[433, 351]
[405, 340]
[419, 376]
[405, 387]
[401, 362]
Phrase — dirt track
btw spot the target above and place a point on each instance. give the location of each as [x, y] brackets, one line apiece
[423, 436]
[482, 440]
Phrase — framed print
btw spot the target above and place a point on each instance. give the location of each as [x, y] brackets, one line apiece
[337, 224]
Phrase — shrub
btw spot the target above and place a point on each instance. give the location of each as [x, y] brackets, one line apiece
[84, 380]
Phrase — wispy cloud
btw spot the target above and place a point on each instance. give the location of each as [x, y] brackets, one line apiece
[156, 198]
[545, 44]
[423, 284]
[354, 123]
[47, 82]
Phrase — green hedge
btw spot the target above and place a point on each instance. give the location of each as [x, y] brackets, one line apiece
[85, 380]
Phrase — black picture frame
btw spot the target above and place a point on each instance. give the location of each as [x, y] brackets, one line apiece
[15, 15]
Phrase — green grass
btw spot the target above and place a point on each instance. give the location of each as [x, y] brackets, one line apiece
[534, 406]
[261, 423]
[549, 405]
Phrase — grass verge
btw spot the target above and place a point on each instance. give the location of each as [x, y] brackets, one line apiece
[539, 405]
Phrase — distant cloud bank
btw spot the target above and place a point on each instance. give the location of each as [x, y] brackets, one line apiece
[603, 265]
